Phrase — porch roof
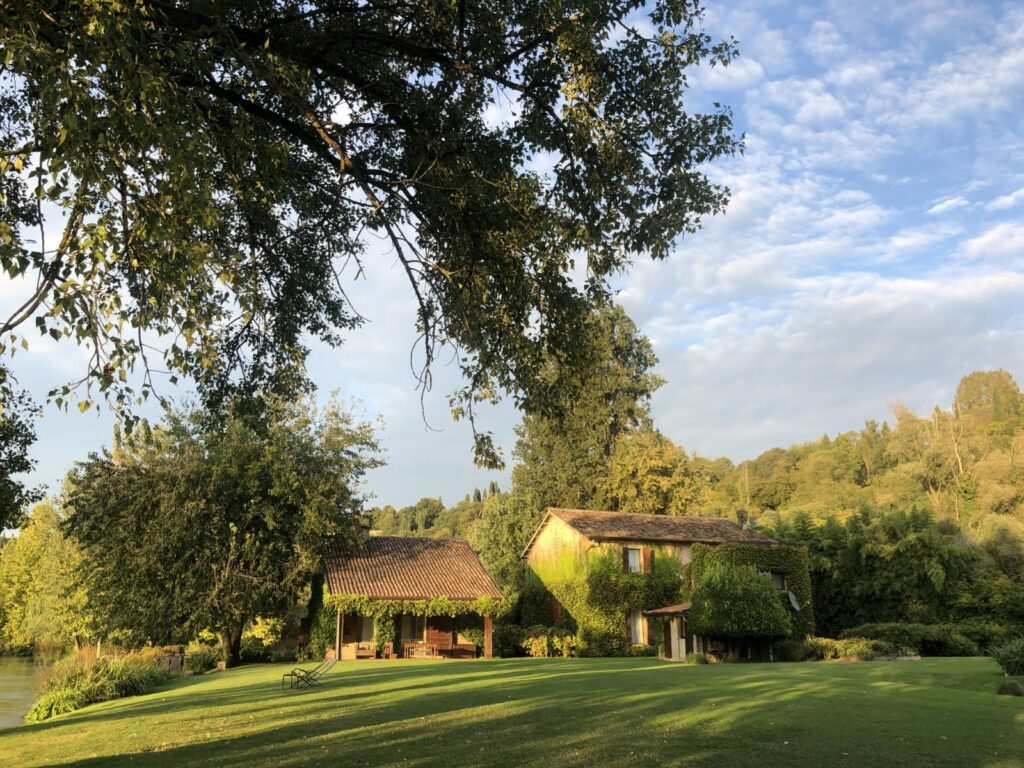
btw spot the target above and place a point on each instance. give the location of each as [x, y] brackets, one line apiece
[669, 610]
[406, 568]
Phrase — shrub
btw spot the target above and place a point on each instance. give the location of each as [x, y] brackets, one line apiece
[201, 659]
[321, 634]
[820, 648]
[985, 633]
[696, 658]
[563, 643]
[79, 681]
[790, 650]
[535, 642]
[1010, 656]
[734, 602]
[925, 639]
[1010, 688]
[507, 641]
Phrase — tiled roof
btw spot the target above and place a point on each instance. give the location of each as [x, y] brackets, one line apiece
[405, 568]
[620, 526]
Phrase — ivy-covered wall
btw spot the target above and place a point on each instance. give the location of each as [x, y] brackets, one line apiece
[596, 594]
[791, 562]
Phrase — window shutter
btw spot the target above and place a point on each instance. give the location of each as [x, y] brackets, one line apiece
[629, 628]
[651, 637]
[647, 555]
[625, 563]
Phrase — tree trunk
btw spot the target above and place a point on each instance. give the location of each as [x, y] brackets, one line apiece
[231, 642]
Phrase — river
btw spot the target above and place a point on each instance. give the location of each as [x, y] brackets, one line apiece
[18, 675]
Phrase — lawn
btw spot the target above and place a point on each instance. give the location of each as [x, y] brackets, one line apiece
[552, 713]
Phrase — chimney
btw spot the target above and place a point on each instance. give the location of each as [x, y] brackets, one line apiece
[742, 517]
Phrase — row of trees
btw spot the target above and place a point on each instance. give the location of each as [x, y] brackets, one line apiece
[202, 523]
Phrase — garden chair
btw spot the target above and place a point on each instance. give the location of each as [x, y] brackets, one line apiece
[308, 676]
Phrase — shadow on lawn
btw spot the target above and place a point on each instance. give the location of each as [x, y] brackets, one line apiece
[514, 713]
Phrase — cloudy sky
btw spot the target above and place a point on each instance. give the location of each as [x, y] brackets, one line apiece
[873, 251]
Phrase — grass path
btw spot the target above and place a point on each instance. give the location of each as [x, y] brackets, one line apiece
[551, 714]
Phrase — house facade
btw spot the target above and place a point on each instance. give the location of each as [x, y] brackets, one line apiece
[637, 540]
[418, 591]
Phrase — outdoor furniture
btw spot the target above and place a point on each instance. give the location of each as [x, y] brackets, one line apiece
[310, 677]
[366, 650]
[420, 651]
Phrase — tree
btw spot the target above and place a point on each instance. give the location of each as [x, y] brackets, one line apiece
[209, 523]
[216, 163]
[42, 600]
[735, 602]
[501, 533]
[17, 435]
[563, 458]
[649, 474]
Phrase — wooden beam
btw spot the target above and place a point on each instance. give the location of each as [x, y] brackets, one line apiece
[488, 635]
[339, 627]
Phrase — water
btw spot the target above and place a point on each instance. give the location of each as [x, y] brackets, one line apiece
[18, 677]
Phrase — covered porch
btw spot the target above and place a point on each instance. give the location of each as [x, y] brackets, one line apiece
[678, 641]
[402, 597]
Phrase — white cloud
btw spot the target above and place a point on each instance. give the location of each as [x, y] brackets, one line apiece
[1003, 241]
[949, 204]
[1004, 202]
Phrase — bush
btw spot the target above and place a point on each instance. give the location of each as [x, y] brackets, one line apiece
[80, 680]
[736, 602]
[1010, 656]
[563, 643]
[925, 639]
[507, 641]
[201, 659]
[825, 648]
[790, 650]
[697, 658]
[1010, 688]
[535, 642]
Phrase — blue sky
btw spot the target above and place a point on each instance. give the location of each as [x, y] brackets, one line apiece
[873, 251]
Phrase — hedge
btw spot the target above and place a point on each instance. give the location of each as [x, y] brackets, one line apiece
[925, 639]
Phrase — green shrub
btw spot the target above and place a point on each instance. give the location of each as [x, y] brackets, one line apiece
[1010, 656]
[535, 642]
[925, 639]
[1010, 688]
[507, 641]
[199, 659]
[984, 633]
[563, 643]
[696, 658]
[80, 680]
[790, 650]
[736, 602]
[321, 634]
[820, 648]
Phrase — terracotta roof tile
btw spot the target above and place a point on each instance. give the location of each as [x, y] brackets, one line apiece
[406, 568]
[620, 526]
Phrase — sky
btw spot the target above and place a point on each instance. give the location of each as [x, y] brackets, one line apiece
[872, 252]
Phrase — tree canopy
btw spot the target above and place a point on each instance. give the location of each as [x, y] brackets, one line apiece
[207, 524]
[214, 167]
[17, 435]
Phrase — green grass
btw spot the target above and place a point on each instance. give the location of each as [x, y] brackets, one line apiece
[552, 713]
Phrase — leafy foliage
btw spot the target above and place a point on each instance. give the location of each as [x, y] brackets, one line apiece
[648, 474]
[42, 599]
[17, 435]
[596, 594]
[251, 502]
[790, 562]
[925, 639]
[1010, 656]
[737, 603]
[214, 164]
[81, 680]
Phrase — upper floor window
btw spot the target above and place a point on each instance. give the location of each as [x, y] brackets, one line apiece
[634, 560]
[778, 580]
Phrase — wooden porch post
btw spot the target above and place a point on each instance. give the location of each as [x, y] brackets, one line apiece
[339, 627]
[488, 633]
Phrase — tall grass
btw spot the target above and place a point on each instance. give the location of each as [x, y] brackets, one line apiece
[81, 679]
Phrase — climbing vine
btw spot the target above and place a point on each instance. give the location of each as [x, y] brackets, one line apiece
[596, 595]
[790, 561]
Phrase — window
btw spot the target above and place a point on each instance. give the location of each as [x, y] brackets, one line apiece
[636, 628]
[778, 580]
[634, 560]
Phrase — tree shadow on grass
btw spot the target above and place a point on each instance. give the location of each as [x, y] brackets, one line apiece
[569, 713]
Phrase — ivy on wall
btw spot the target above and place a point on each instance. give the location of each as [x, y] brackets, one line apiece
[790, 561]
[596, 595]
[435, 606]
